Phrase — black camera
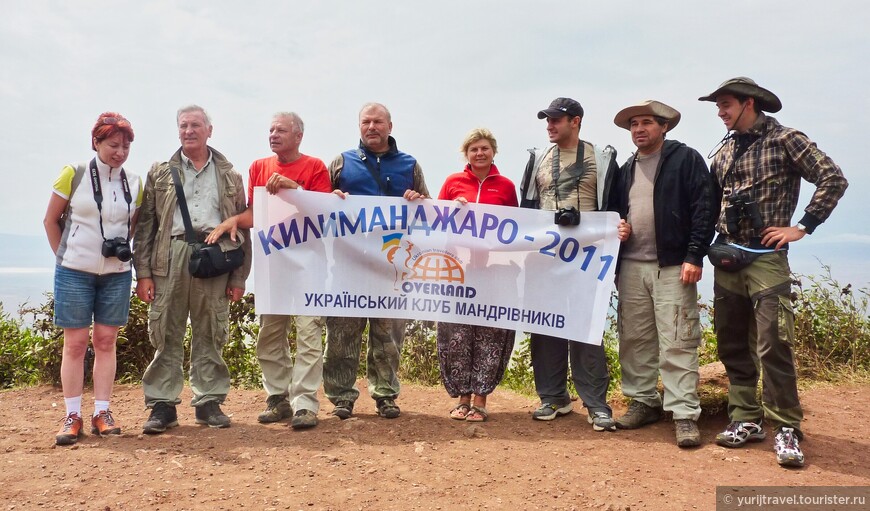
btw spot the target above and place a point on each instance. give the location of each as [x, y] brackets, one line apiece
[117, 247]
[741, 207]
[567, 216]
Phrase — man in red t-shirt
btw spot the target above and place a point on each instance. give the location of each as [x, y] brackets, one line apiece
[288, 387]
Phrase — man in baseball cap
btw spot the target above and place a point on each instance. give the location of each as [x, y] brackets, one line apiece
[663, 193]
[568, 177]
[756, 184]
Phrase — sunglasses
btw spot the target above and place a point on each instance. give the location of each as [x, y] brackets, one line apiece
[120, 121]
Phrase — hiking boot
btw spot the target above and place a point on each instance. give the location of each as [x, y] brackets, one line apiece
[602, 421]
[163, 416]
[787, 449]
[638, 415]
[343, 409]
[71, 430]
[104, 424]
[277, 408]
[549, 411]
[687, 433]
[738, 433]
[304, 419]
[388, 408]
[211, 415]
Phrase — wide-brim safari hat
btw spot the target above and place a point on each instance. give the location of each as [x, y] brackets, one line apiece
[648, 107]
[744, 86]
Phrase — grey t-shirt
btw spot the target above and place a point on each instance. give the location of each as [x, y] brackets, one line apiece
[641, 245]
[573, 190]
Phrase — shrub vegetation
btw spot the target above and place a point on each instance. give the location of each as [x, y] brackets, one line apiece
[831, 323]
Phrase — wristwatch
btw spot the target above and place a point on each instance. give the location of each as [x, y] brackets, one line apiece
[801, 227]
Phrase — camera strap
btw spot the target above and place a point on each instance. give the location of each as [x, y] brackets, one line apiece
[556, 169]
[98, 195]
[182, 204]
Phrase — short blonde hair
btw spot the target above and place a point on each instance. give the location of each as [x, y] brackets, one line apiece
[476, 135]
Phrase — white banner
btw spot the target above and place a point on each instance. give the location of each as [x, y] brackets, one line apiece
[316, 254]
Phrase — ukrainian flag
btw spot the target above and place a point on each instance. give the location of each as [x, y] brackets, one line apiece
[391, 240]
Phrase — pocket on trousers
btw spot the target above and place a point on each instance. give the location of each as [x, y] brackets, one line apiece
[785, 321]
[686, 326]
[156, 328]
[221, 327]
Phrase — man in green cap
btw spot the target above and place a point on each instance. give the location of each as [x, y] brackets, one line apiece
[757, 174]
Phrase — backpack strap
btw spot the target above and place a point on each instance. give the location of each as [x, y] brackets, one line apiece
[76, 180]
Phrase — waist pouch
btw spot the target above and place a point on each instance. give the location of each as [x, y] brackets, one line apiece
[730, 258]
[208, 261]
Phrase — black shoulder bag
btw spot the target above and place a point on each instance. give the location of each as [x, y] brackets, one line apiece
[206, 260]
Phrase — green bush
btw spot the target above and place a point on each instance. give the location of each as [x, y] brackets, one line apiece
[831, 323]
[832, 327]
[17, 365]
[240, 350]
[419, 363]
[519, 376]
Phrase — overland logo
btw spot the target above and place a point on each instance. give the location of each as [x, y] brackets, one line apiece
[433, 266]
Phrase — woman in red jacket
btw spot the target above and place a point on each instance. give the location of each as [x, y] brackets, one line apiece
[473, 358]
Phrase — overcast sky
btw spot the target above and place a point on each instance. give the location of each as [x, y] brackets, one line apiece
[441, 67]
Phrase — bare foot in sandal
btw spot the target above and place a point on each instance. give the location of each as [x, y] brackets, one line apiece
[477, 414]
[460, 411]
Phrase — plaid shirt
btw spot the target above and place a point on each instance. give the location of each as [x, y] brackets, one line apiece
[769, 171]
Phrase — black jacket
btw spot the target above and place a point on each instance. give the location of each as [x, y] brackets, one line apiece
[682, 203]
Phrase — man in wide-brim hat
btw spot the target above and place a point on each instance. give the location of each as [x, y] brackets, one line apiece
[663, 192]
[757, 175]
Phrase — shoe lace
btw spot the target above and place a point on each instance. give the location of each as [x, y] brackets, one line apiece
[107, 417]
[635, 408]
[788, 440]
[684, 426]
[274, 401]
[69, 420]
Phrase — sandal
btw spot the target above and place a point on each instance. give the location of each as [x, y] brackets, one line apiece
[460, 411]
[477, 414]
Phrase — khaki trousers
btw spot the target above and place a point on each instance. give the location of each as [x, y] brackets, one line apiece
[659, 333]
[204, 301]
[298, 381]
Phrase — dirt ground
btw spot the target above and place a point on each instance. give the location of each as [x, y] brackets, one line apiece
[422, 460]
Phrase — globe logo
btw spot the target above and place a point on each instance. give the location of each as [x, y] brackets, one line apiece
[438, 267]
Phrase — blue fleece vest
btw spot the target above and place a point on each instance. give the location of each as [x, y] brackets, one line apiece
[395, 168]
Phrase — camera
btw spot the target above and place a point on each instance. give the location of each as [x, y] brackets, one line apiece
[742, 207]
[567, 216]
[117, 247]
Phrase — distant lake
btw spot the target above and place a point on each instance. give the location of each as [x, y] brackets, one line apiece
[27, 269]
[24, 285]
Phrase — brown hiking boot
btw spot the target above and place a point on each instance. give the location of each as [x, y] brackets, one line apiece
[687, 433]
[638, 415]
[277, 408]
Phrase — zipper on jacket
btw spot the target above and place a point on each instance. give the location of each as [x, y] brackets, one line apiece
[480, 187]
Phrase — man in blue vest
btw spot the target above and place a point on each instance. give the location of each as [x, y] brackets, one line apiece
[376, 167]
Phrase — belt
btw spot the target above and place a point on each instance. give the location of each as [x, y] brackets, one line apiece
[183, 237]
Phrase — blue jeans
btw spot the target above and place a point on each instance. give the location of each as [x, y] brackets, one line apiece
[82, 298]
